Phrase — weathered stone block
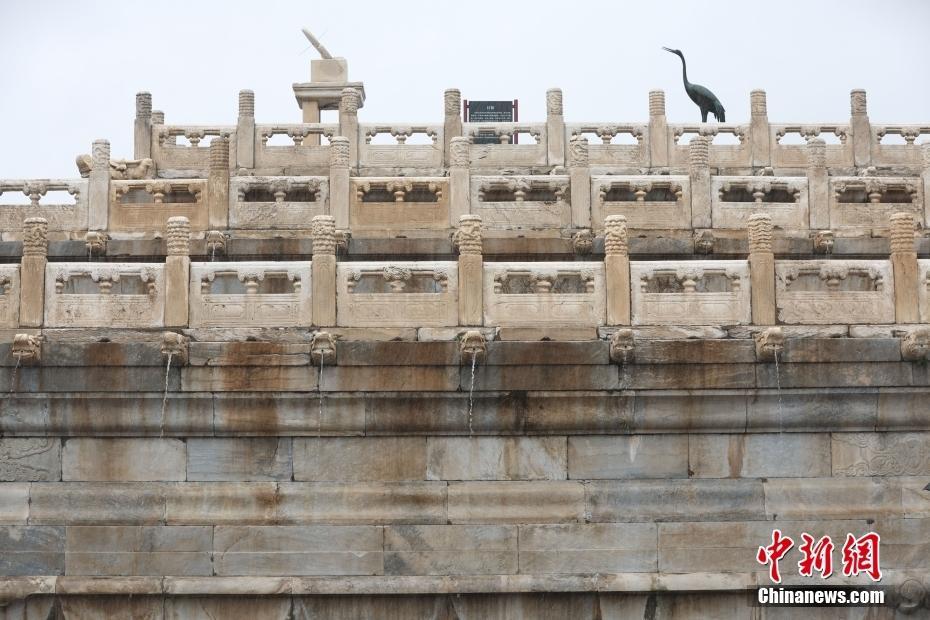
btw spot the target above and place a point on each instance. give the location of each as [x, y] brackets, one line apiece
[902, 409]
[395, 353]
[114, 414]
[812, 350]
[687, 376]
[538, 377]
[450, 550]
[350, 459]
[813, 410]
[444, 413]
[14, 503]
[881, 454]
[516, 502]
[396, 379]
[248, 354]
[71, 503]
[496, 458]
[695, 352]
[588, 548]
[30, 459]
[636, 456]
[139, 550]
[592, 352]
[833, 498]
[361, 503]
[121, 460]
[245, 459]
[759, 455]
[298, 550]
[231, 607]
[555, 412]
[675, 500]
[905, 543]
[31, 550]
[249, 379]
[91, 379]
[841, 374]
[674, 411]
[288, 414]
[220, 503]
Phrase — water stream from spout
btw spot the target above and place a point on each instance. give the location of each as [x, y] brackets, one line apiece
[471, 393]
[164, 400]
[212, 252]
[319, 389]
[778, 388]
[13, 376]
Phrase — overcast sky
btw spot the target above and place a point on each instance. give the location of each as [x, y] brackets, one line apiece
[70, 69]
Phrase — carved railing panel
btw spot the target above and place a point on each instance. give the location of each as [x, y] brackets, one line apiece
[649, 202]
[250, 294]
[388, 204]
[306, 150]
[734, 199]
[715, 292]
[557, 294]
[401, 154]
[169, 155]
[139, 206]
[720, 155]
[907, 154]
[506, 154]
[603, 153]
[868, 202]
[104, 295]
[277, 202]
[397, 294]
[796, 155]
[923, 290]
[9, 295]
[61, 217]
[521, 202]
[834, 291]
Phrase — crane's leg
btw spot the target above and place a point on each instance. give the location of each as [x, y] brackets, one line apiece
[704, 115]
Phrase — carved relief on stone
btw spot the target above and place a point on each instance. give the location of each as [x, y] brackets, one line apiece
[881, 454]
[323, 349]
[246, 103]
[175, 346]
[824, 241]
[96, 243]
[857, 102]
[915, 345]
[704, 242]
[339, 152]
[656, 103]
[903, 232]
[615, 236]
[179, 236]
[473, 347]
[757, 103]
[467, 237]
[108, 306]
[706, 292]
[349, 103]
[219, 154]
[459, 148]
[622, 346]
[554, 102]
[578, 154]
[27, 348]
[35, 236]
[144, 105]
[699, 152]
[452, 101]
[583, 242]
[760, 233]
[323, 231]
[769, 343]
[816, 153]
[834, 291]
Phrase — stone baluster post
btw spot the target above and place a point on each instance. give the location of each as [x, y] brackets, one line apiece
[904, 264]
[348, 121]
[158, 117]
[471, 270]
[761, 269]
[142, 129]
[759, 132]
[861, 129]
[218, 184]
[555, 127]
[579, 172]
[177, 271]
[658, 130]
[925, 175]
[699, 175]
[32, 272]
[818, 184]
[617, 270]
[339, 149]
[245, 131]
[452, 122]
[323, 270]
[459, 178]
[98, 186]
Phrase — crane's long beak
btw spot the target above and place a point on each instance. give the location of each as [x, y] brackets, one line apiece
[668, 50]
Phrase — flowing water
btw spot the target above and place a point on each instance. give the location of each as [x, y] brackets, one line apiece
[471, 393]
[13, 377]
[319, 389]
[164, 400]
[212, 252]
[778, 388]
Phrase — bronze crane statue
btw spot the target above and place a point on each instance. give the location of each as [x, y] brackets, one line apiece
[700, 95]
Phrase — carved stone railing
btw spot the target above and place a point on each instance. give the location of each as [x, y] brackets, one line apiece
[506, 154]
[140, 206]
[305, 154]
[104, 295]
[690, 293]
[250, 294]
[277, 202]
[720, 155]
[923, 289]
[834, 291]
[521, 202]
[169, 155]
[400, 154]
[734, 199]
[391, 204]
[647, 202]
[61, 217]
[796, 155]
[557, 294]
[604, 153]
[868, 202]
[9, 295]
[907, 154]
[397, 294]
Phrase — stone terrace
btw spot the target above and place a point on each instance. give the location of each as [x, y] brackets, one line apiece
[576, 376]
